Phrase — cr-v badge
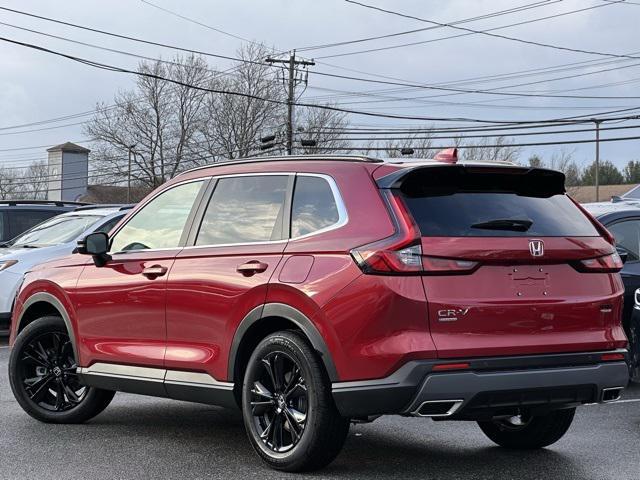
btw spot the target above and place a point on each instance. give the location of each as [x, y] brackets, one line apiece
[452, 315]
[536, 247]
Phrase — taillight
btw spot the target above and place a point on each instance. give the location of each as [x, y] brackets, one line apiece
[402, 253]
[611, 263]
[388, 261]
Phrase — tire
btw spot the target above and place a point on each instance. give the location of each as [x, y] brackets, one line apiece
[292, 405]
[529, 433]
[42, 376]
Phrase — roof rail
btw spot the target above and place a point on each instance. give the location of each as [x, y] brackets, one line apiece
[96, 206]
[57, 203]
[288, 158]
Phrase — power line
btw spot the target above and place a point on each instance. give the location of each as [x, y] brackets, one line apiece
[487, 32]
[166, 10]
[418, 30]
[112, 68]
[562, 142]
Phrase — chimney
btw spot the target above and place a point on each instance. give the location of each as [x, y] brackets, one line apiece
[68, 172]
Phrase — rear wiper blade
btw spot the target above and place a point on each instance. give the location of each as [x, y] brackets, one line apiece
[505, 224]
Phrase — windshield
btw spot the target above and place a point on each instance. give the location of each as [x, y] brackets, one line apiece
[61, 229]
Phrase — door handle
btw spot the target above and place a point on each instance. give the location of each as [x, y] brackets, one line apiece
[154, 271]
[252, 267]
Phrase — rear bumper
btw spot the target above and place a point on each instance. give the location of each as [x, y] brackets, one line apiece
[490, 387]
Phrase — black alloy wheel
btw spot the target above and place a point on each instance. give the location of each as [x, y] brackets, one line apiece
[48, 372]
[288, 409]
[279, 402]
[43, 378]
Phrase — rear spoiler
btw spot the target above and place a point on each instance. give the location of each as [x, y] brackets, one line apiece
[441, 179]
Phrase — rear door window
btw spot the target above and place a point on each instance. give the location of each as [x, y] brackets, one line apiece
[627, 236]
[314, 206]
[4, 234]
[245, 210]
[21, 220]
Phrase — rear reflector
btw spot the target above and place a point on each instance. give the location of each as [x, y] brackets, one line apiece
[612, 357]
[450, 366]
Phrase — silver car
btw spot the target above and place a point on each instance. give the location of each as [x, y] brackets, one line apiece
[49, 240]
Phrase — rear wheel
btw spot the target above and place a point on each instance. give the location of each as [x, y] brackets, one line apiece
[529, 432]
[289, 413]
[42, 373]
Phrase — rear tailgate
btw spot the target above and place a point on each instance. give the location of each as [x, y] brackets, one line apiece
[530, 290]
[514, 304]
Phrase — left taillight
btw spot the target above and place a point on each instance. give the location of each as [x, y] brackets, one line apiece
[401, 254]
[611, 263]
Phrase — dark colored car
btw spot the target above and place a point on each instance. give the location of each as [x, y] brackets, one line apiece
[312, 291]
[622, 219]
[18, 216]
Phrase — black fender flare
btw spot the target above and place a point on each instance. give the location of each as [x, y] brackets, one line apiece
[288, 313]
[44, 297]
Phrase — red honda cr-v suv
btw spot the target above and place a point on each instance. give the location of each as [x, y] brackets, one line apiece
[312, 291]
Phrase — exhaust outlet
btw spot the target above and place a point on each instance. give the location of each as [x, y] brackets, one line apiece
[437, 408]
[611, 394]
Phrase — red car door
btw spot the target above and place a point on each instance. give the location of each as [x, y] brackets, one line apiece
[121, 306]
[224, 274]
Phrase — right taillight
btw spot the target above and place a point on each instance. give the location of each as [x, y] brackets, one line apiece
[401, 254]
[611, 263]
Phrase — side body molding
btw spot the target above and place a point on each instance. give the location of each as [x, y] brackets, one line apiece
[288, 313]
[54, 302]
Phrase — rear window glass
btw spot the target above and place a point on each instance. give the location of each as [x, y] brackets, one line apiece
[21, 220]
[498, 214]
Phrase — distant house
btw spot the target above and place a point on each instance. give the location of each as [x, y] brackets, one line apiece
[587, 193]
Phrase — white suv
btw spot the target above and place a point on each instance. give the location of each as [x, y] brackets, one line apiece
[50, 239]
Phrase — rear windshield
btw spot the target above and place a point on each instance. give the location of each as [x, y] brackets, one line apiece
[498, 214]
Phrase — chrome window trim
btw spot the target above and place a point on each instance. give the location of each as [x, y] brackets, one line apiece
[141, 207]
[343, 217]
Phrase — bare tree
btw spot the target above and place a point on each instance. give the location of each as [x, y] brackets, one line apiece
[158, 121]
[9, 184]
[422, 146]
[491, 149]
[38, 185]
[326, 128]
[233, 124]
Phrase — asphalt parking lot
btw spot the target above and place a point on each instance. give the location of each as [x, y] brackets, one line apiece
[143, 437]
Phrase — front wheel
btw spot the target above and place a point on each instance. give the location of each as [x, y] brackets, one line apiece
[529, 432]
[42, 373]
[289, 413]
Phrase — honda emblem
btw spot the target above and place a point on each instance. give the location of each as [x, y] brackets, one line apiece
[536, 247]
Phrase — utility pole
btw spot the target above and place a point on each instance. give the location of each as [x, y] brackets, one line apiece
[597, 122]
[131, 147]
[292, 82]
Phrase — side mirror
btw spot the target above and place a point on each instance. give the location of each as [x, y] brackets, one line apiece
[97, 245]
[624, 255]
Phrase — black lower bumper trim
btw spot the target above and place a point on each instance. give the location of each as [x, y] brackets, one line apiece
[554, 381]
[5, 323]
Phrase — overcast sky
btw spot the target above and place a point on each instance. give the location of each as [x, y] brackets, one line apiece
[37, 86]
